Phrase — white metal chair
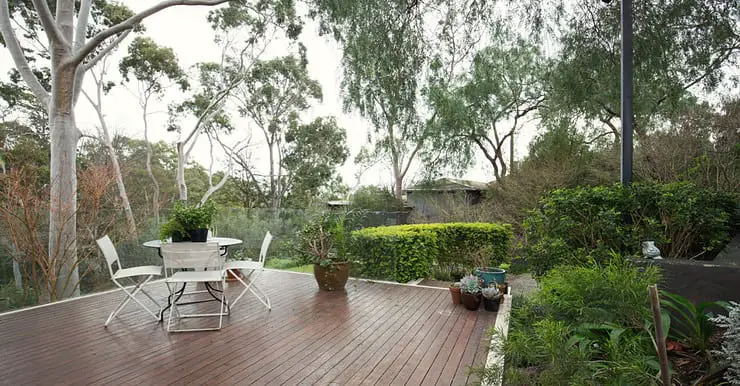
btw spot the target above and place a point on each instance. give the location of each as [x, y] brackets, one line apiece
[205, 265]
[255, 268]
[145, 272]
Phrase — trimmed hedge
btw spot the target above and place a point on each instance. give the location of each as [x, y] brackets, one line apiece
[388, 253]
[407, 252]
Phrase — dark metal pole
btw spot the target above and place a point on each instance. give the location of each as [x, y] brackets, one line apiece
[626, 166]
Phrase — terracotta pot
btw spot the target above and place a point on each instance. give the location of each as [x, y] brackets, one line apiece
[456, 295]
[231, 277]
[333, 277]
[471, 301]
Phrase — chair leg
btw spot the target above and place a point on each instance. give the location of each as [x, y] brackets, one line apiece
[248, 287]
[132, 296]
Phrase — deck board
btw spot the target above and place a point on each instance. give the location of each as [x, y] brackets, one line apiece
[373, 333]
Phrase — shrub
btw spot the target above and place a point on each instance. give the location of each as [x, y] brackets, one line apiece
[683, 219]
[390, 253]
[586, 325]
[465, 245]
[613, 292]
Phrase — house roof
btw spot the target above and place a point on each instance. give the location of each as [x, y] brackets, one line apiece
[449, 184]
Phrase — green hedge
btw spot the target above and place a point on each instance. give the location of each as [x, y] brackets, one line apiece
[388, 253]
[407, 252]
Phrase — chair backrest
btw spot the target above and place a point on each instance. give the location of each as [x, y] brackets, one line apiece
[109, 251]
[198, 256]
[265, 245]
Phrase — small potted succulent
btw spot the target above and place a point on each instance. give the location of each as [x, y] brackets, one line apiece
[456, 293]
[470, 291]
[491, 297]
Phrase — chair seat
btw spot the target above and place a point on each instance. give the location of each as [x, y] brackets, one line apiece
[144, 270]
[195, 276]
[242, 264]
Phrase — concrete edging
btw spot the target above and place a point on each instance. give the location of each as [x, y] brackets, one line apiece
[502, 325]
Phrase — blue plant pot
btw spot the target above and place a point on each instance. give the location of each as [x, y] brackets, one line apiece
[489, 275]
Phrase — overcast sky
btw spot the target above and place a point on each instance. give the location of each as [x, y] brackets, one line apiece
[186, 31]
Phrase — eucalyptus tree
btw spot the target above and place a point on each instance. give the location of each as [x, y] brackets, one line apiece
[312, 153]
[245, 31]
[155, 68]
[273, 94]
[505, 84]
[78, 35]
[393, 52]
[682, 48]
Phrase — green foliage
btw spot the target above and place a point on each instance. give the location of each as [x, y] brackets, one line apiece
[690, 324]
[375, 199]
[313, 151]
[584, 82]
[324, 239]
[451, 246]
[611, 292]
[185, 218]
[574, 224]
[391, 253]
[12, 297]
[585, 326]
[150, 64]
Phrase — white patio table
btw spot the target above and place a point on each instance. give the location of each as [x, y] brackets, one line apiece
[223, 243]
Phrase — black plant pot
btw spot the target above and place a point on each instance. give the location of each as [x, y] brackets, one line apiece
[491, 304]
[199, 235]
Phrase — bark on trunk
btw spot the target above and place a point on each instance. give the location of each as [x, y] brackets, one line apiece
[64, 274]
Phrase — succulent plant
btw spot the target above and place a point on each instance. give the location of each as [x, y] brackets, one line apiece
[491, 292]
[470, 284]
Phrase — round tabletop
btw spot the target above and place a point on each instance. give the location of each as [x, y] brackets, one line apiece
[222, 242]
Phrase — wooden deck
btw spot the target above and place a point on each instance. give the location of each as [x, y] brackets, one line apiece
[371, 334]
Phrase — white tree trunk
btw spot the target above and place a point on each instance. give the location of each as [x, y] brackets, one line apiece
[119, 181]
[63, 199]
[182, 187]
[149, 151]
[17, 275]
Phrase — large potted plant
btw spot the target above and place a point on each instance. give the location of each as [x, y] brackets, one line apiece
[323, 243]
[188, 222]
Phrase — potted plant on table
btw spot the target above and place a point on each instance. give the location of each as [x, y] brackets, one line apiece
[323, 243]
[470, 291]
[189, 222]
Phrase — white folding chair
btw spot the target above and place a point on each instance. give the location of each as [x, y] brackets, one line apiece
[146, 272]
[255, 268]
[205, 265]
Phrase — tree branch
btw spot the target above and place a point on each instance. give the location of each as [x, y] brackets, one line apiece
[82, 21]
[16, 52]
[131, 23]
[92, 62]
[47, 21]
